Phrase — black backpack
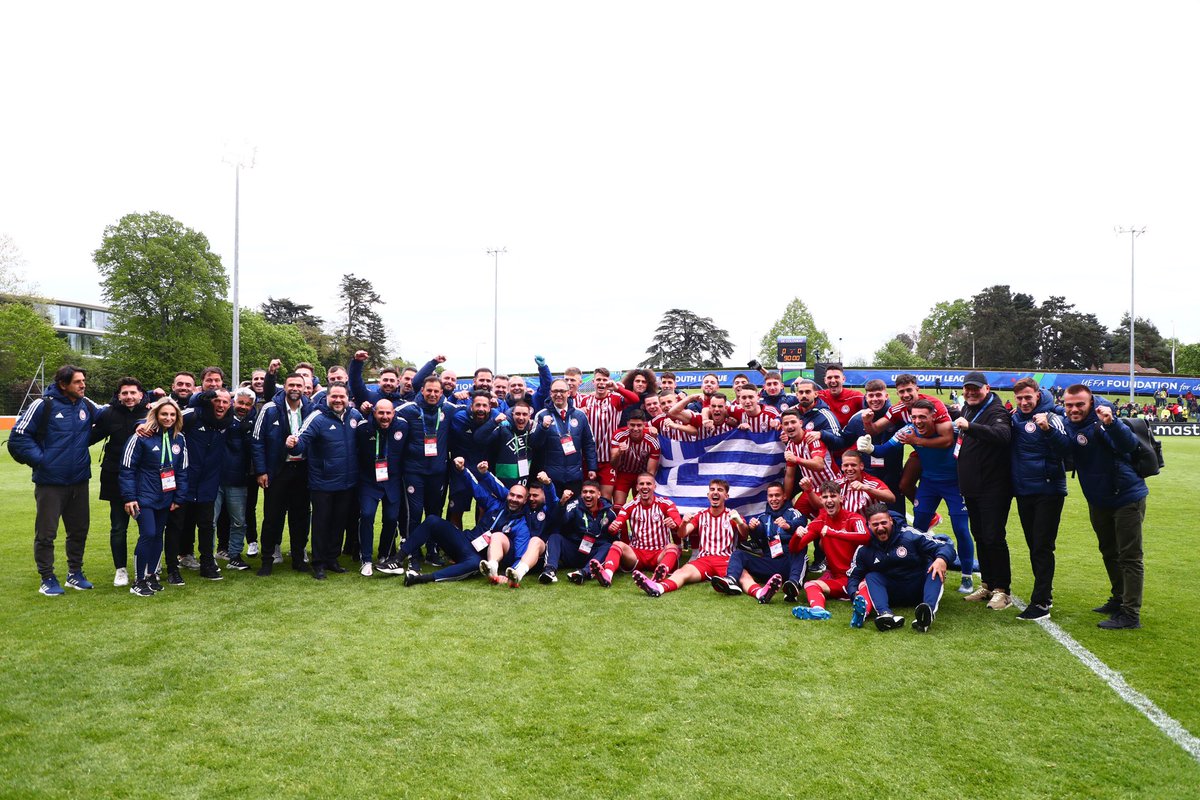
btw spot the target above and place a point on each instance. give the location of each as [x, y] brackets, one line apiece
[1147, 460]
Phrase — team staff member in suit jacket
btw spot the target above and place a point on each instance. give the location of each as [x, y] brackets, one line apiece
[154, 472]
[562, 440]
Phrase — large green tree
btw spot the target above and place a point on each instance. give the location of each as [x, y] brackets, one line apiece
[897, 353]
[1150, 348]
[261, 341]
[28, 337]
[1002, 323]
[1067, 339]
[945, 338]
[359, 326]
[166, 288]
[684, 340]
[796, 321]
[1187, 359]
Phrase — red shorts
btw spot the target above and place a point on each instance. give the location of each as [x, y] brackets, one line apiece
[625, 481]
[606, 475]
[647, 559]
[711, 565]
[837, 586]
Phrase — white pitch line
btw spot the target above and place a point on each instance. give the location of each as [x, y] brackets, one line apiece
[1164, 722]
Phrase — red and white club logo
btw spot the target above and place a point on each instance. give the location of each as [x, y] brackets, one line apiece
[1081, 439]
[902, 551]
[1030, 427]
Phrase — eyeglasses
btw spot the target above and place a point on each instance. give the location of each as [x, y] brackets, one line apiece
[558, 391]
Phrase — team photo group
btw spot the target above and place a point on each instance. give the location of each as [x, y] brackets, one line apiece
[815, 491]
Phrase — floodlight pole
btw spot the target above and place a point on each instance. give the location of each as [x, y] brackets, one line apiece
[238, 161]
[1133, 234]
[495, 253]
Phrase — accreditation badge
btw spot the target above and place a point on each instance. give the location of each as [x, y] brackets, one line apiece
[168, 480]
[568, 446]
[381, 473]
[586, 544]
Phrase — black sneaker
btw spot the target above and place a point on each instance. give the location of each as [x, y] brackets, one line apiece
[153, 583]
[818, 567]
[318, 572]
[174, 578]
[578, 577]
[300, 566]
[1034, 612]
[1121, 621]
[209, 571]
[548, 577]
[237, 563]
[1110, 607]
[393, 566]
[334, 566]
[720, 584]
[889, 622]
[267, 566]
[141, 589]
[791, 591]
[924, 620]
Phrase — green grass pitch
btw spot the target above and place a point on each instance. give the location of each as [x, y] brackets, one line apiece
[286, 687]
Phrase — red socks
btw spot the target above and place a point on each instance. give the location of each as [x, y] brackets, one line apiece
[613, 560]
[671, 559]
[816, 597]
[668, 585]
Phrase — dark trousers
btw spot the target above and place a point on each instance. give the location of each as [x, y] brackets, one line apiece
[118, 533]
[884, 590]
[564, 552]
[329, 512]
[451, 541]
[182, 525]
[252, 511]
[70, 504]
[987, 517]
[147, 553]
[1119, 533]
[1040, 515]
[788, 566]
[369, 500]
[349, 539]
[287, 497]
[424, 495]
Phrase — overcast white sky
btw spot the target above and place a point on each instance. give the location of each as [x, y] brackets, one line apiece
[872, 158]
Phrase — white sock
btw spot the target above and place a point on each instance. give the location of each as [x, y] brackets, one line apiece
[521, 569]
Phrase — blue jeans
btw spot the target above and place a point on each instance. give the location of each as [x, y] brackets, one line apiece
[233, 500]
[929, 493]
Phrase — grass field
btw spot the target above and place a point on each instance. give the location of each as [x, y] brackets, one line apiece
[285, 687]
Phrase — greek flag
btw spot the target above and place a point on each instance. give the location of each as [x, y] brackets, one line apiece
[749, 461]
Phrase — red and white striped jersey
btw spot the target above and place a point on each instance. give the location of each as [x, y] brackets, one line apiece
[696, 420]
[759, 422]
[603, 415]
[648, 524]
[817, 449]
[635, 459]
[659, 424]
[845, 405]
[855, 500]
[900, 411]
[716, 532]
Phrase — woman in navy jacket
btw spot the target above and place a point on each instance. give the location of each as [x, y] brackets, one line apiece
[153, 474]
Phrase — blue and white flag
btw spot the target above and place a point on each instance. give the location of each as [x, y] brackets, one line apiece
[749, 461]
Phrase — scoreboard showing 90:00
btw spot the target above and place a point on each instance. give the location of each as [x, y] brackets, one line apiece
[791, 351]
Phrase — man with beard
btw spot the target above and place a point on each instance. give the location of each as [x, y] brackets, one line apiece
[283, 476]
[382, 443]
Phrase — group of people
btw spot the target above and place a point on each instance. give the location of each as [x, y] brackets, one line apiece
[564, 480]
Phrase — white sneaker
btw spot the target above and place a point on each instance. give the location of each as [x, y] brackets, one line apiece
[121, 578]
[278, 558]
[366, 570]
[252, 549]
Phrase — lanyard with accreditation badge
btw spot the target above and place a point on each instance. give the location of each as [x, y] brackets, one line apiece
[568, 444]
[431, 448]
[167, 468]
[381, 470]
[484, 539]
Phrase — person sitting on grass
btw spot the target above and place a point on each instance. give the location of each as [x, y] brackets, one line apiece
[761, 576]
[840, 533]
[718, 530]
[899, 565]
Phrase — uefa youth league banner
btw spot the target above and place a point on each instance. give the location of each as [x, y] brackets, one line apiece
[749, 461]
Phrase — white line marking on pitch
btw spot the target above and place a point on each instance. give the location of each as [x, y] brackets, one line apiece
[1165, 723]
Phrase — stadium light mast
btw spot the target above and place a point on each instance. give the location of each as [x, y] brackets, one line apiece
[240, 160]
[495, 253]
[1133, 234]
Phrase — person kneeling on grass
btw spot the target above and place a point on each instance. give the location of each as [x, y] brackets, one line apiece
[466, 548]
[583, 535]
[772, 531]
[507, 551]
[899, 565]
[718, 529]
[840, 533]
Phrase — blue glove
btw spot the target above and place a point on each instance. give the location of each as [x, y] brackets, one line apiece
[541, 362]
